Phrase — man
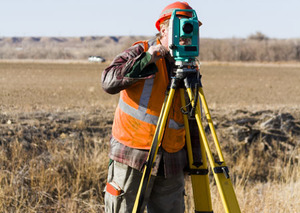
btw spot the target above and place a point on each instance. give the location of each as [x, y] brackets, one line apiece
[142, 74]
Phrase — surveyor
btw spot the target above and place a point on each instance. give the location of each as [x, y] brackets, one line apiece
[141, 74]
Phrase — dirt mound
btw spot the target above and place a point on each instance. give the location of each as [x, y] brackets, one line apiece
[272, 130]
[40, 126]
[265, 127]
[269, 131]
[246, 127]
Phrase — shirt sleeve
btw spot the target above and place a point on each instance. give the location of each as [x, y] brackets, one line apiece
[127, 68]
[142, 68]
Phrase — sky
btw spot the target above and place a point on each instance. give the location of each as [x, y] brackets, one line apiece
[220, 18]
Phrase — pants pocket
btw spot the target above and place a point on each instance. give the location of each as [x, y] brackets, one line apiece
[114, 189]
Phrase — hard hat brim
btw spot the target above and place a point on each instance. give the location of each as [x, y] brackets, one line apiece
[162, 19]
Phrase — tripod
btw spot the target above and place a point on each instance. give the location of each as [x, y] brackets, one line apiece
[187, 78]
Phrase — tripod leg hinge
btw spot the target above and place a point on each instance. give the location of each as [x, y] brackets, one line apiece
[198, 171]
[222, 169]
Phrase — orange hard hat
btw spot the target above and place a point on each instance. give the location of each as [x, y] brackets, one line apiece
[167, 12]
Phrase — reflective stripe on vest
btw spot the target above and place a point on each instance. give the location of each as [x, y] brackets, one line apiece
[141, 114]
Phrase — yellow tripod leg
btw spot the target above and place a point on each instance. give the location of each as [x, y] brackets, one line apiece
[220, 169]
[199, 174]
[137, 208]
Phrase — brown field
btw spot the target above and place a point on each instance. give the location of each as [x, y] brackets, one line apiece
[55, 123]
[49, 85]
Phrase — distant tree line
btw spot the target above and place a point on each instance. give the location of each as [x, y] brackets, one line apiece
[256, 47]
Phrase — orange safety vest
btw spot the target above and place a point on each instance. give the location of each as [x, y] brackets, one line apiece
[139, 108]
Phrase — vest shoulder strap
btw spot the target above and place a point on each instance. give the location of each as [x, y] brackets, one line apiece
[145, 43]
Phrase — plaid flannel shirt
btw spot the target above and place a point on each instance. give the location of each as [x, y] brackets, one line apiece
[114, 79]
[172, 163]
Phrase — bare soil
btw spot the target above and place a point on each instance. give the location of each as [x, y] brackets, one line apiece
[50, 85]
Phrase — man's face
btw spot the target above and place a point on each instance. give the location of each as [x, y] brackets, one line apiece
[164, 36]
[185, 41]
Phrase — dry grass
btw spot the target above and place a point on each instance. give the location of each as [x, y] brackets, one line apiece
[280, 195]
[55, 126]
[52, 177]
[279, 192]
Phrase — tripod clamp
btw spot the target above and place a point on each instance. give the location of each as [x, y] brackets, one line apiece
[189, 73]
[222, 169]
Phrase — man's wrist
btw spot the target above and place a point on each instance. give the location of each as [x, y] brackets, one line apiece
[148, 59]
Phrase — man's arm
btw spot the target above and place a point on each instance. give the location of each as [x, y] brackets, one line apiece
[127, 68]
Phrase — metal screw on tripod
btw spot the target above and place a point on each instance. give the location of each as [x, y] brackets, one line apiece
[226, 172]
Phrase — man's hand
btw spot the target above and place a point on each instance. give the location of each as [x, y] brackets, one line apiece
[157, 52]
